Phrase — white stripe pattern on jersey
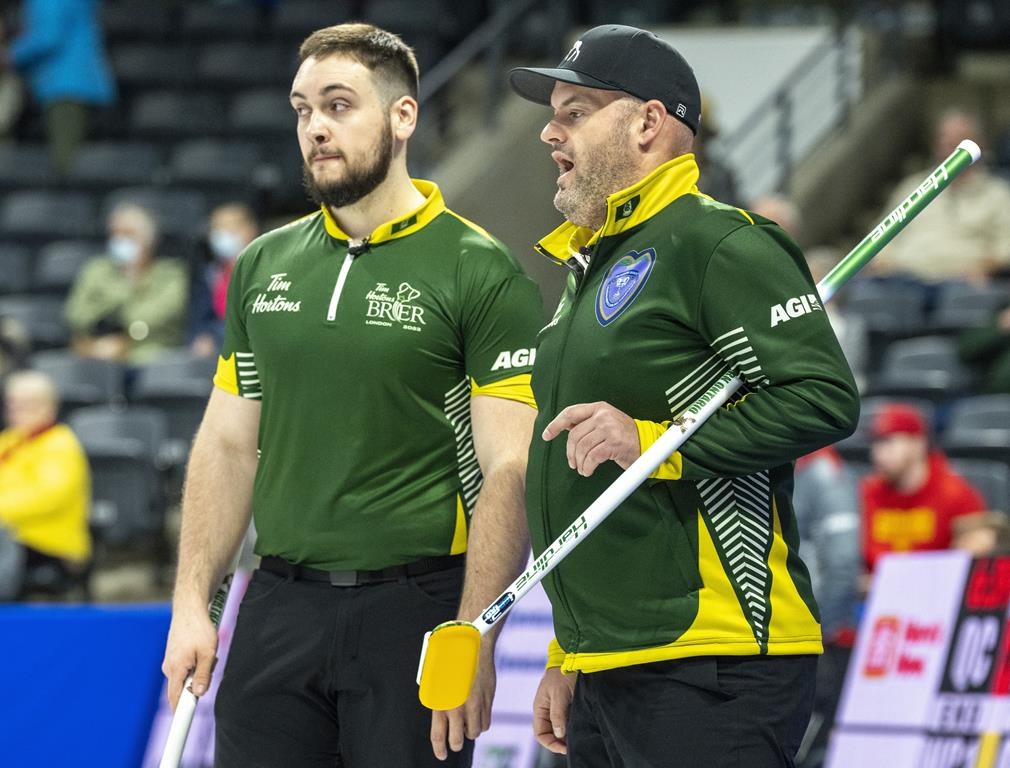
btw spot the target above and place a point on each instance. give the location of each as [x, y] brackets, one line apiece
[457, 411]
[248, 377]
[739, 513]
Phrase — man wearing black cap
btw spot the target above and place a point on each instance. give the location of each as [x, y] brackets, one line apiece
[686, 629]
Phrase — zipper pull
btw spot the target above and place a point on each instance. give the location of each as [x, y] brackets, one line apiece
[579, 262]
[358, 248]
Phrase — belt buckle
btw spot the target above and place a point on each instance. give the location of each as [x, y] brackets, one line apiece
[343, 578]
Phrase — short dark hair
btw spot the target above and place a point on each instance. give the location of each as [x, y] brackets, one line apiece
[390, 59]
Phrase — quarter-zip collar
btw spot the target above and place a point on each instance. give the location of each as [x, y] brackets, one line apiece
[402, 226]
[627, 208]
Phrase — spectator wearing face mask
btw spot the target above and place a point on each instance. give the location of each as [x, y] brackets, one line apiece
[128, 304]
[232, 227]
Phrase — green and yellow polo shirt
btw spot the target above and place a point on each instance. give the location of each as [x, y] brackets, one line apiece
[365, 360]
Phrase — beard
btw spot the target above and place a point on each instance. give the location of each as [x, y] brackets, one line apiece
[601, 171]
[361, 178]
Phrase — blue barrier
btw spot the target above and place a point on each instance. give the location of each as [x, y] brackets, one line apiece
[81, 683]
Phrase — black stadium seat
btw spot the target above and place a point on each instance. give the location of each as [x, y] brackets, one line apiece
[135, 19]
[219, 21]
[240, 64]
[180, 212]
[296, 19]
[59, 262]
[15, 268]
[153, 65]
[115, 164]
[169, 114]
[990, 478]
[427, 27]
[81, 381]
[964, 305]
[40, 316]
[127, 494]
[179, 388]
[214, 162]
[264, 111]
[979, 427]
[145, 425]
[924, 367]
[886, 307]
[44, 215]
[25, 165]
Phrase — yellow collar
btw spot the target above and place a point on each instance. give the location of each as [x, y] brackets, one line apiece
[432, 206]
[627, 208]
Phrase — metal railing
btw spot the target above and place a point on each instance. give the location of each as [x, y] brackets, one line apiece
[490, 38]
[815, 98]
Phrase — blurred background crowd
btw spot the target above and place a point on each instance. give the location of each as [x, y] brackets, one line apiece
[143, 144]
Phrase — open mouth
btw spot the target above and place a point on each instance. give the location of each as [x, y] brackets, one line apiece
[565, 165]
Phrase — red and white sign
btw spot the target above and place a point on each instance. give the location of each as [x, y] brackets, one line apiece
[929, 679]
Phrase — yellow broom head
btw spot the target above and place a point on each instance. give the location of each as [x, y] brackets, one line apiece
[448, 664]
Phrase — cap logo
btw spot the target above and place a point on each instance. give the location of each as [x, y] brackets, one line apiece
[681, 110]
[574, 53]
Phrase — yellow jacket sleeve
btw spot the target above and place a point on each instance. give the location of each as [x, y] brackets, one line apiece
[513, 388]
[555, 654]
[648, 433]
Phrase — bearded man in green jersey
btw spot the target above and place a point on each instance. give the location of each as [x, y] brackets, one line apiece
[373, 411]
[686, 630]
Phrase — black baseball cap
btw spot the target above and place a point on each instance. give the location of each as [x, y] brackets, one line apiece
[614, 57]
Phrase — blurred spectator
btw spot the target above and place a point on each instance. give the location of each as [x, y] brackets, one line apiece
[60, 54]
[232, 227]
[782, 211]
[826, 501]
[12, 97]
[913, 496]
[850, 328]
[716, 179]
[14, 346]
[987, 350]
[129, 305]
[985, 535]
[45, 489]
[965, 232]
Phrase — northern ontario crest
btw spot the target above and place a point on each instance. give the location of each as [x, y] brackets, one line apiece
[622, 284]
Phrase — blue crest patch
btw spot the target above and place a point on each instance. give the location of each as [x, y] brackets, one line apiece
[622, 284]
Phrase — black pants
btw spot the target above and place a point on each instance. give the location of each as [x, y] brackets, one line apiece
[711, 712]
[319, 675]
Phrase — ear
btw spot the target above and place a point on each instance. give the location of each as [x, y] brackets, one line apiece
[652, 121]
[403, 117]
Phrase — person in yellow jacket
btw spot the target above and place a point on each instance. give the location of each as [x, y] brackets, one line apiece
[45, 486]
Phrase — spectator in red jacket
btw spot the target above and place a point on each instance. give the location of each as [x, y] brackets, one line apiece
[911, 499]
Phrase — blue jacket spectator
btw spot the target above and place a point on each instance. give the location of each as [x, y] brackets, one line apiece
[60, 54]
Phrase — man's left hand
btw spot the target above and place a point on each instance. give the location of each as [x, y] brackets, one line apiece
[597, 432]
[474, 717]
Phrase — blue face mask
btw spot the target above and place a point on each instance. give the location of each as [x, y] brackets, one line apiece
[123, 250]
[225, 244]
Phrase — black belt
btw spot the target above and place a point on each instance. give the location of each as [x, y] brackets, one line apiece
[282, 567]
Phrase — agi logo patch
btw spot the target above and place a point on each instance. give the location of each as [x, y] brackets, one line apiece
[622, 284]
